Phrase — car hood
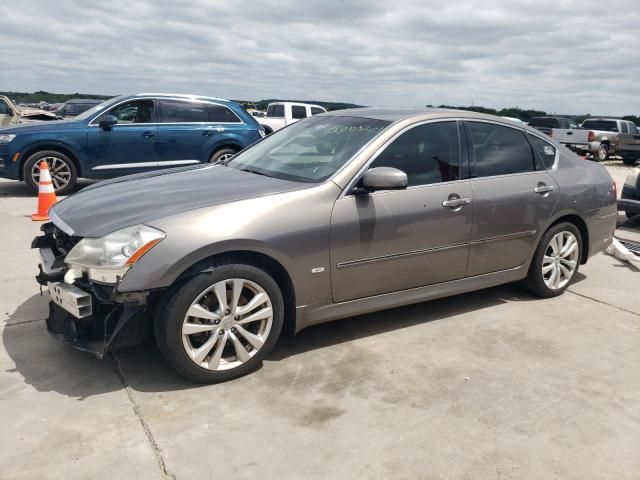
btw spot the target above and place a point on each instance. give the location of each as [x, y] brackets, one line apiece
[114, 204]
[33, 126]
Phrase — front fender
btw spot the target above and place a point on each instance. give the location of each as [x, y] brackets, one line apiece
[67, 143]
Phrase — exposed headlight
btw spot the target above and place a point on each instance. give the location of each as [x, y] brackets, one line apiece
[6, 137]
[109, 257]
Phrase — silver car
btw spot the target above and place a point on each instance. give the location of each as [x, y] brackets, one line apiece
[340, 214]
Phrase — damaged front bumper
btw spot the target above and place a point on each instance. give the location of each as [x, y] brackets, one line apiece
[92, 317]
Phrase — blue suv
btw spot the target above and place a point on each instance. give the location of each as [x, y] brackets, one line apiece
[125, 135]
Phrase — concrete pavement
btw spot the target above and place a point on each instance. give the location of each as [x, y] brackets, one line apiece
[492, 384]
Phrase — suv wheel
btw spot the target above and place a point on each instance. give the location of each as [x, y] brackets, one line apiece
[223, 155]
[556, 261]
[603, 152]
[221, 324]
[64, 175]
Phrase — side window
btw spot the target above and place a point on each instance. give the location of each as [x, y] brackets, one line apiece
[427, 154]
[316, 110]
[499, 150]
[175, 111]
[545, 152]
[632, 128]
[275, 111]
[624, 127]
[137, 111]
[572, 124]
[4, 108]
[298, 111]
[220, 114]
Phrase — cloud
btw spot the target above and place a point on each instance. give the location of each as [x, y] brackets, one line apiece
[569, 56]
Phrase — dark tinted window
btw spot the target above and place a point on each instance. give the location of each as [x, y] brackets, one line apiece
[275, 111]
[298, 111]
[4, 108]
[545, 152]
[633, 128]
[316, 110]
[136, 111]
[499, 150]
[218, 113]
[544, 122]
[605, 125]
[427, 154]
[175, 111]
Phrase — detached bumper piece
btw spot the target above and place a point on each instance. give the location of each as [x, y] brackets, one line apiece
[95, 319]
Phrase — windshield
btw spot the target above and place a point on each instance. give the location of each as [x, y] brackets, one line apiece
[310, 150]
[97, 108]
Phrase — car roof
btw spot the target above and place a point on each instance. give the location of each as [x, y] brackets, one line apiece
[394, 115]
[181, 95]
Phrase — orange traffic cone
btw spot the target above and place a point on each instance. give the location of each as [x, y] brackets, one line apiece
[46, 194]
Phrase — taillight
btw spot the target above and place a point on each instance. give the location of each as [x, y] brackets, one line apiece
[591, 136]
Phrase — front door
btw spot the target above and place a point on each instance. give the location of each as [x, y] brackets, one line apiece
[394, 240]
[514, 195]
[129, 146]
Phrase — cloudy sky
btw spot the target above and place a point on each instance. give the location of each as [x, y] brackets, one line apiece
[570, 56]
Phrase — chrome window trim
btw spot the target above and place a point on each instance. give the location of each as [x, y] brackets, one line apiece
[376, 154]
[166, 163]
[195, 100]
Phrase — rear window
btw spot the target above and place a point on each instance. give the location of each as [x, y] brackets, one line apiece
[275, 111]
[298, 111]
[316, 110]
[633, 128]
[174, 111]
[545, 122]
[604, 125]
[220, 114]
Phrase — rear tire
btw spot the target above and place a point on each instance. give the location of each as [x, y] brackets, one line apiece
[183, 337]
[223, 155]
[603, 153]
[62, 169]
[549, 258]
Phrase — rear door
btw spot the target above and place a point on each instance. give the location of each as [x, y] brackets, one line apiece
[514, 196]
[183, 133]
[129, 146]
[394, 240]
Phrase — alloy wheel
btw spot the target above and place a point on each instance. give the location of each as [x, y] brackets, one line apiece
[560, 260]
[227, 324]
[225, 158]
[59, 170]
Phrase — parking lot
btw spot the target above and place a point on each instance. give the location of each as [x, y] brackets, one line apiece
[489, 384]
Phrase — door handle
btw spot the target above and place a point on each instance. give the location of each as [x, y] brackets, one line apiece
[456, 202]
[542, 189]
[148, 134]
[569, 133]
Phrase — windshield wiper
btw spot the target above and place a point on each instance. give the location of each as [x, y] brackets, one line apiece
[254, 171]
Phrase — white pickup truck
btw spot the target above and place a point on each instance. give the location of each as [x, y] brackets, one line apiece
[281, 114]
[597, 136]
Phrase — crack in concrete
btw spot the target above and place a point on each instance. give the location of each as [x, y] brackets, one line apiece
[23, 322]
[604, 303]
[137, 411]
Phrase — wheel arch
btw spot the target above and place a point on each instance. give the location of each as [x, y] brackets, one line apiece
[581, 225]
[53, 147]
[256, 259]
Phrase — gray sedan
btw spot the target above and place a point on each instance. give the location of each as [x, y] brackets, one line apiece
[337, 215]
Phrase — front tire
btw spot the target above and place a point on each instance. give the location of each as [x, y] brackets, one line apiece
[221, 324]
[64, 174]
[556, 261]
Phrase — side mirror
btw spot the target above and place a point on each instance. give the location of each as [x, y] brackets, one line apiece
[383, 178]
[107, 122]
